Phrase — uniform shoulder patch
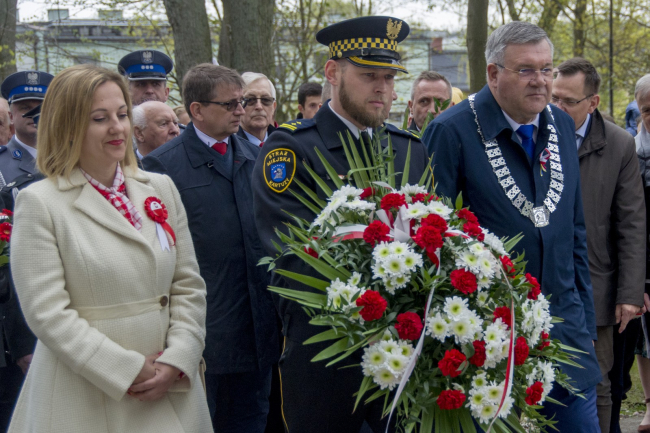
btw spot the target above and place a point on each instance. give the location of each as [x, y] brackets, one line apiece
[297, 124]
[279, 169]
[403, 132]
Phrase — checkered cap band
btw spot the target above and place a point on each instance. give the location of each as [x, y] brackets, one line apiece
[347, 45]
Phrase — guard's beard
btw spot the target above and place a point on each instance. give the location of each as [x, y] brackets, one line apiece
[360, 113]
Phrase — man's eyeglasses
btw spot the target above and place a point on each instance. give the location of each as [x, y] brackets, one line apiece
[267, 102]
[230, 105]
[528, 74]
[568, 103]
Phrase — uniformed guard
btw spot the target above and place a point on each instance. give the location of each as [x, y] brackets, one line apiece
[363, 62]
[24, 91]
[147, 72]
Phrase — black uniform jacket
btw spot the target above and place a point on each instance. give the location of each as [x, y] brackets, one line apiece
[294, 145]
[241, 320]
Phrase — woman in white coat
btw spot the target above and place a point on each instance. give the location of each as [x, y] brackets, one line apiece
[106, 275]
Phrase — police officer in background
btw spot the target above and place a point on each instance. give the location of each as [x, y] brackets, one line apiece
[315, 398]
[146, 71]
[24, 91]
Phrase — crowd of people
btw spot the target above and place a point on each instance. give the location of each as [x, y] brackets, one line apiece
[135, 302]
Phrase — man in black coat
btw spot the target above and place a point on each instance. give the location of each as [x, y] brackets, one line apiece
[316, 398]
[212, 170]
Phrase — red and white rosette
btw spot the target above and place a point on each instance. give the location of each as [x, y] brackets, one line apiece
[157, 211]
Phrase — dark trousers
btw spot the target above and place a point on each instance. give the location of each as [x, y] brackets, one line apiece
[619, 375]
[319, 399]
[11, 380]
[578, 415]
[239, 402]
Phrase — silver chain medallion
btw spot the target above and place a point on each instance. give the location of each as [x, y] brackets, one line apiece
[540, 216]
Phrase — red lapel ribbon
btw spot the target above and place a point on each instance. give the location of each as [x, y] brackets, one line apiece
[157, 211]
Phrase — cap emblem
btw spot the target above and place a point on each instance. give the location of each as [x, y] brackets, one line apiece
[32, 78]
[147, 57]
[393, 28]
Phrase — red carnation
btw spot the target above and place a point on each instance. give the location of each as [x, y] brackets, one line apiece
[310, 251]
[7, 212]
[421, 198]
[545, 341]
[367, 192]
[449, 365]
[467, 216]
[435, 221]
[478, 359]
[508, 266]
[463, 281]
[504, 314]
[428, 237]
[393, 201]
[535, 291]
[534, 393]
[451, 399]
[409, 326]
[473, 229]
[373, 305]
[377, 231]
[521, 351]
[5, 232]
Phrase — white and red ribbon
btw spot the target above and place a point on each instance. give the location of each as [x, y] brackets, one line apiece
[157, 211]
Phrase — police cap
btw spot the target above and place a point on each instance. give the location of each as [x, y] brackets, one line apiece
[25, 85]
[368, 42]
[145, 65]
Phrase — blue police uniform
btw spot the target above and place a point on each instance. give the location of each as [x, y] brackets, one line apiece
[557, 253]
[319, 399]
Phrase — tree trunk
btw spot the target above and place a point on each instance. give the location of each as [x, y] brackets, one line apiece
[192, 44]
[579, 36]
[512, 10]
[549, 16]
[246, 37]
[7, 38]
[477, 29]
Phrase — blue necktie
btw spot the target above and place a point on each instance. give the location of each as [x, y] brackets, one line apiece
[525, 132]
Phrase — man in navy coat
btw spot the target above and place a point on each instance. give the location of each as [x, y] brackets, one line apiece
[514, 159]
[212, 170]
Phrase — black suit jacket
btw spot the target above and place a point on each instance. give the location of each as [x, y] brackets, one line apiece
[241, 319]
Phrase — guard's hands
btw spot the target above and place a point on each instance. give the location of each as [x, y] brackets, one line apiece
[646, 304]
[156, 387]
[148, 369]
[625, 313]
[24, 362]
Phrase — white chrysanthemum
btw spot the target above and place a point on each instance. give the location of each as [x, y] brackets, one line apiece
[406, 348]
[381, 251]
[399, 282]
[378, 271]
[476, 399]
[397, 363]
[390, 347]
[477, 249]
[355, 279]
[479, 380]
[373, 359]
[346, 193]
[385, 378]
[508, 402]
[455, 307]
[487, 413]
[487, 266]
[412, 260]
[409, 190]
[395, 265]
[360, 205]
[494, 242]
[437, 327]
[481, 298]
[399, 248]
[417, 210]
[494, 392]
[467, 261]
[462, 330]
[439, 208]
[494, 334]
[386, 336]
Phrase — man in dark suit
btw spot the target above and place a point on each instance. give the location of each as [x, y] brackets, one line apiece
[212, 170]
[514, 159]
[318, 399]
[428, 89]
[257, 122]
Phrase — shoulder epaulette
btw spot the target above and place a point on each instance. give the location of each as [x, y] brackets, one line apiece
[296, 125]
[403, 132]
[21, 180]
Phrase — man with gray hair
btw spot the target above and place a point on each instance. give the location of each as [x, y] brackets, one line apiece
[154, 124]
[513, 157]
[257, 121]
[212, 168]
[430, 89]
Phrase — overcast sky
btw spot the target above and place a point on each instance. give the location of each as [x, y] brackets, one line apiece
[408, 10]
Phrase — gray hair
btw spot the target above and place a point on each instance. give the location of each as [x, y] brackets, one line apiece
[139, 117]
[642, 88]
[250, 77]
[513, 33]
[430, 76]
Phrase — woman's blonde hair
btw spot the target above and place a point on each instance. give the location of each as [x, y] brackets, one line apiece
[65, 116]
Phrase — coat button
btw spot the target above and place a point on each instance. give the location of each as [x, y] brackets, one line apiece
[164, 301]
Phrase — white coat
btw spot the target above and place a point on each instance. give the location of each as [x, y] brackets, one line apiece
[77, 263]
